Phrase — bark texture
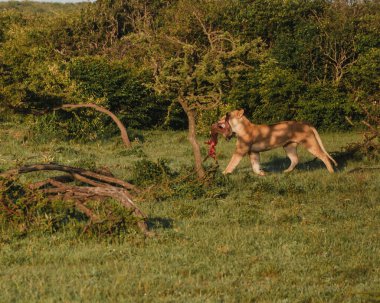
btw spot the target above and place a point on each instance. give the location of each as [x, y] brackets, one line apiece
[193, 139]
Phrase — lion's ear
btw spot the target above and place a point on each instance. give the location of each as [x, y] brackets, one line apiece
[240, 113]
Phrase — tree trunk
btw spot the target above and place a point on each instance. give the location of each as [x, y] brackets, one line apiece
[123, 131]
[193, 139]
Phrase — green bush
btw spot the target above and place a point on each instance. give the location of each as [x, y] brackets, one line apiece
[82, 125]
[122, 89]
[146, 172]
[325, 107]
[279, 90]
[164, 183]
[24, 211]
[46, 128]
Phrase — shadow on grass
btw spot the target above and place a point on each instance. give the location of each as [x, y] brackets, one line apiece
[157, 222]
[279, 164]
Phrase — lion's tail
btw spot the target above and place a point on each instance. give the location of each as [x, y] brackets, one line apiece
[321, 145]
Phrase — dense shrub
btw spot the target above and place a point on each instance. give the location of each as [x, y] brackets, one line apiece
[162, 183]
[82, 125]
[122, 90]
[279, 91]
[146, 172]
[325, 107]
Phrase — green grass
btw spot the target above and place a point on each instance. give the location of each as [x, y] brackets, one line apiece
[307, 236]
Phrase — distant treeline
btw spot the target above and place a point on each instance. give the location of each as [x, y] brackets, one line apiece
[310, 60]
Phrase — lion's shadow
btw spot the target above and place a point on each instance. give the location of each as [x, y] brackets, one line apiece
[278, 164]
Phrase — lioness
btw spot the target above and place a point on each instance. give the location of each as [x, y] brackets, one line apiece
[253, 139]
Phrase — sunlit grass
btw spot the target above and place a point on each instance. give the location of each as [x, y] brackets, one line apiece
[307, 236]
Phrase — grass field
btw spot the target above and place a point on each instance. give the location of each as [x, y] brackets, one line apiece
[307, 236]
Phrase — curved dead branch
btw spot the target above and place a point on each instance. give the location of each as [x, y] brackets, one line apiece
[120, 125]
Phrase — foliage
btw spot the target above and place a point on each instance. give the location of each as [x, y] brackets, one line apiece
[24, 211]
[46, 8]
[146, 172]
[279, 92]
[122, 89]
[163, 183]
[302, 52]
[363, 79]
[326, 106]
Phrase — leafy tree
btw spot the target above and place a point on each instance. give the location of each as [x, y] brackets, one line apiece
[195, 63]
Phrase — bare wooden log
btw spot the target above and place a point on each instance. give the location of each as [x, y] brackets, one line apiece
[40, 184]
[70, 170]
[83, 179]
[123, 131]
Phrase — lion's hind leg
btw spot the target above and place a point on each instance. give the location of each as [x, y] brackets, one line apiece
[313, 147]
[291, 153]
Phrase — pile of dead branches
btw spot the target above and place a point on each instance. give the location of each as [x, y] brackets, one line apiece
[80, 186]
[370, 146]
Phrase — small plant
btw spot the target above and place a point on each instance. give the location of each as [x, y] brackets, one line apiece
[146, 172]
[162, 183]
[48, 127]
[136, 150]
[23, 210]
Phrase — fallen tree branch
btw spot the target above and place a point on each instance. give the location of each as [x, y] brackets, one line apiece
[74, 171]
[40, 184]
[98, 187]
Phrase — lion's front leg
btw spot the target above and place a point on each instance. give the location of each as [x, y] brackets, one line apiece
[236, 157]
[255, 162]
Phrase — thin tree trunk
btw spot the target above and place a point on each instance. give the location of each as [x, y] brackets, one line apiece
[193, 139]
[123, 131]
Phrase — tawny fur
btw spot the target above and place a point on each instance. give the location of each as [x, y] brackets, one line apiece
[253, 139]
